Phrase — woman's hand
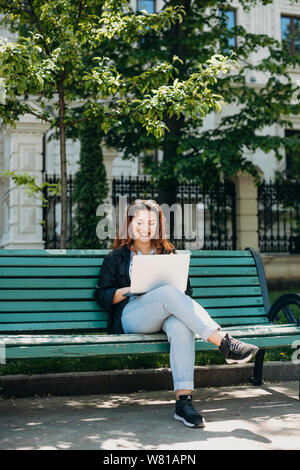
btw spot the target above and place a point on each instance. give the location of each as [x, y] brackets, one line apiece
[118, 297]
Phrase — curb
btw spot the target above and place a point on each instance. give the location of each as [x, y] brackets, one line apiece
[134, 380]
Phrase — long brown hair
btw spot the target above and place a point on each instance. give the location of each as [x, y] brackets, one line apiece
[160, 242]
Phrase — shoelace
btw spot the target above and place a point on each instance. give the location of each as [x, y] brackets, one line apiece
[231, 344]
[234, 345]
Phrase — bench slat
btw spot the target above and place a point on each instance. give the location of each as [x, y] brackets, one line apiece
[93, 271]
[87, 294]
[222, 261]
[245, 332]
[96, 325]
[116, 349]
[80, 261]
[96, 253]
[222, 271]
[48, 326]
[51, 283]
[35, 261]
[48, 306]
[53, 253]
[101, 315]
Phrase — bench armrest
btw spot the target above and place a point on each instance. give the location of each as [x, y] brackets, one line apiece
[282, 303]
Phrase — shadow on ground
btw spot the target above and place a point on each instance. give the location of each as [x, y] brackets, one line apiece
[240, 417]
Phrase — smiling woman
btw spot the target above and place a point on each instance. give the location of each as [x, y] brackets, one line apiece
[164, 308]
[144, 228]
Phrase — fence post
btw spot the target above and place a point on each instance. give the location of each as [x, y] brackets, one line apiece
[246, 212]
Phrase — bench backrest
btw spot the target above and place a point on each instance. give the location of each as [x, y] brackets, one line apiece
[52, 290]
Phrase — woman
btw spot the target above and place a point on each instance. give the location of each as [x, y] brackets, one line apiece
[164, 308]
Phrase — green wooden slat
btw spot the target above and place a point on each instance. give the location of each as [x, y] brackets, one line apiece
[86, 350]
[53, 253]
[48, 326]
[84, 338]
[44, 294]
[237, 312]
[236, 321]
[91, 282]
[51, 316]
[80, 316]
[44, 261]
[131, 348]
[225, 291]
[224, 281]
[52, 306]
[221, 271]
[272, 342]
[266, 330]
[45, 271]
[49, 283]
[48, 306]
[220, 253]
[222, 261]
[231, 302]
[58, 252]
[101, 324]
[101, 315]
[50, 261]
[88, 294]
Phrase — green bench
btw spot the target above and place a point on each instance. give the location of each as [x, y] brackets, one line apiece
[47, 306]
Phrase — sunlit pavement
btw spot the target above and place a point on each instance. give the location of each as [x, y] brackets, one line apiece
[237, 417]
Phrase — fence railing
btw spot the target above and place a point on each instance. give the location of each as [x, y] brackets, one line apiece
[218, 201]
[279, 216]
[278, 212]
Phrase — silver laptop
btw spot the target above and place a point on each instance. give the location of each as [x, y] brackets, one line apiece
[152, 271]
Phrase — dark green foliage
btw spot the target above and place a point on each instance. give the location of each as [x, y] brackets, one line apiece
[262, 94]
[90, 188]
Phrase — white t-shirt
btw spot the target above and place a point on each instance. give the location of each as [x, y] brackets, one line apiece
[132, 254]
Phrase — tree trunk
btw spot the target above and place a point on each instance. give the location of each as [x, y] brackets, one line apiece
[63, 166]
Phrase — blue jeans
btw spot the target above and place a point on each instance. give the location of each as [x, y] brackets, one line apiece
[181, 318]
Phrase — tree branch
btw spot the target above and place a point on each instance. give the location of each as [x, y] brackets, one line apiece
[38, 24]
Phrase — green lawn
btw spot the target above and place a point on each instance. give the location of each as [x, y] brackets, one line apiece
[41, 366]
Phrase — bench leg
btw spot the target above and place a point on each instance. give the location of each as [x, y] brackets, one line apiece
[258, 367]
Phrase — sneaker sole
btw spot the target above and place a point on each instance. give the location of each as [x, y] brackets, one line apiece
[190, 425]
[243, 361]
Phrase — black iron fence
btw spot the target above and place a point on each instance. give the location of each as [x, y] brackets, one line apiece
[279, 216]
[52, 213]
[218, 203]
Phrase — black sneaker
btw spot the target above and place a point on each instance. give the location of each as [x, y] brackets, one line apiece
[235, 351]
[185, 412]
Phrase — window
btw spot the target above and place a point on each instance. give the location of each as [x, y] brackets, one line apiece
[148, 5]
[229, 19]
[290, 34]
[292, 157]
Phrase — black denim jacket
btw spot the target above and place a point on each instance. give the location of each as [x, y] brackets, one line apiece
[114, 274]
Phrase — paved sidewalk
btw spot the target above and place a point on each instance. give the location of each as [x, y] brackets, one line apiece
[238, 417]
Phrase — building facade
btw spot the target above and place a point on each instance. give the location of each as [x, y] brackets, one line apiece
[25, 147]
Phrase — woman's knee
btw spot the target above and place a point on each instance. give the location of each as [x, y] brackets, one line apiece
[176, 329]
[167, 291]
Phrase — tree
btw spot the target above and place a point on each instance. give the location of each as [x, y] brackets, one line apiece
[90, 188]
[48, 62]
[191, 153]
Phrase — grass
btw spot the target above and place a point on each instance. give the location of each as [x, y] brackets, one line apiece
[59, 365]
